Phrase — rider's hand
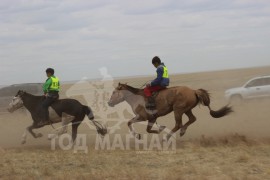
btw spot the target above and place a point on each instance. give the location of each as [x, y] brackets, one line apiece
[148, 84]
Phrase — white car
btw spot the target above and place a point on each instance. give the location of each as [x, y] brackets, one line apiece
[258, 87]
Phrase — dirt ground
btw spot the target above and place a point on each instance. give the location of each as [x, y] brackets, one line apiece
[234, 147]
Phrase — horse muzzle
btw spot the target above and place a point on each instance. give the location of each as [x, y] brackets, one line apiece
[111, 104]
[10, 109]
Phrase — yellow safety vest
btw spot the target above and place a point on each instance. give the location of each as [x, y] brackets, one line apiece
[165, 72]
[55, 86]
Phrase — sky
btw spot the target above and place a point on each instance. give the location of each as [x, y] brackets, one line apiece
[78, 37]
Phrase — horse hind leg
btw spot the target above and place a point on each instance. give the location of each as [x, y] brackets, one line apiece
[75, 125]
[191, 120]
[63, 129]
[178, 124]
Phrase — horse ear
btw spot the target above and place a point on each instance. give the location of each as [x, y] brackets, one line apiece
[21, 92]
[18, 93]
[119, 86]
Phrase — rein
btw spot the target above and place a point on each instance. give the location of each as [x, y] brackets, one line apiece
[143, 85]
[51, 123]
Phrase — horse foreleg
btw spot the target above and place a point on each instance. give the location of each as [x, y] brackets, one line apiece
[30, 130]
[130, 125]
[150, 126]
[24, 136]
[191, 120]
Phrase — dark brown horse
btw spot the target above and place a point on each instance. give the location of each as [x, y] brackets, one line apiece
[181, 100]
[64, 110]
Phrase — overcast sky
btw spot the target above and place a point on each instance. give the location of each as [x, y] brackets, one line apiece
[77, 37]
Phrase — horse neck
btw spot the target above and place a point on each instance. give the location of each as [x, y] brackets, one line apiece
[135, 91]
[133, 99]
[30, 102]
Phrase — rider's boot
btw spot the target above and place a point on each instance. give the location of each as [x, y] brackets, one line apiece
[151, 103]
[44, 120]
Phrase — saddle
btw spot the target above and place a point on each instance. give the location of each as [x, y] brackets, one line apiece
[155, 94]
[151, 102]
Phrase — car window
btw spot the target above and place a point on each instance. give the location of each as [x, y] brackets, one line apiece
[267, 81]
[256, 82]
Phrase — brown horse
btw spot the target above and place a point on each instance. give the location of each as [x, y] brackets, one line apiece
[179, 99]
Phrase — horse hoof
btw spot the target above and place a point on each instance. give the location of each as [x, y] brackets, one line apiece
[161, 128]
[165, 139]
[39, 135]
[50, 137]
[182, 133]
[23, 142]
[138, 136]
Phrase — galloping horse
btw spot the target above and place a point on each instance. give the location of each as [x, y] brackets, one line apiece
[180, 99]
[64, 110]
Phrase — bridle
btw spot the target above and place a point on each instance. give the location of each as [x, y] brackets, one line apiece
[16, 106]
[118, 95]
[124, 97]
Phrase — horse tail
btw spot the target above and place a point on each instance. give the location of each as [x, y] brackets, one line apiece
[102, 130]
[204, 99]
[88, 111]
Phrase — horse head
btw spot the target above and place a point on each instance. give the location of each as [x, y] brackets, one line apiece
[118, 95]
[16, 102]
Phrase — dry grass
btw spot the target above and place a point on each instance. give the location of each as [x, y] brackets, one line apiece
[206, 158]
[236, 147]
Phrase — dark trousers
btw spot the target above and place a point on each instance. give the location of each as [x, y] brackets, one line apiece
[48, 101]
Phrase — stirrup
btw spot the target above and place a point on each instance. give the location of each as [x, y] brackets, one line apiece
[42, 123]
[150, 106]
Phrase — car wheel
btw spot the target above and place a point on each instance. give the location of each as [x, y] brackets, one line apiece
[236, 99]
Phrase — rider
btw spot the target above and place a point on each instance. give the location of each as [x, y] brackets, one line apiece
[51, 92]
[161, 82]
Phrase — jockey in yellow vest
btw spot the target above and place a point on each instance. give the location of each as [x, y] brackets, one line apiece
[51, 90]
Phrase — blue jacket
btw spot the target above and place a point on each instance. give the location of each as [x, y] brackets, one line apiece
[160, 81]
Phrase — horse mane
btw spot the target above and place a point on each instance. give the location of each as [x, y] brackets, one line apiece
[34, 96]
[133, 89]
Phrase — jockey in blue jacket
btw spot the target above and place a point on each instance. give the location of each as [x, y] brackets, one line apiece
[161, 82]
